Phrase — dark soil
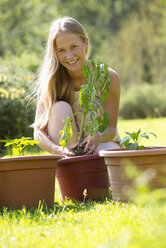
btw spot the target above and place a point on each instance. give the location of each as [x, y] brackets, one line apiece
[78, 150]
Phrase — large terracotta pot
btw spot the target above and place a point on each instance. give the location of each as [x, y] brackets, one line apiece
[77, 174]
[26, 180]
[152, 161]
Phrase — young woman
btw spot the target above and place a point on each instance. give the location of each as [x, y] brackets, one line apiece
[59, 82]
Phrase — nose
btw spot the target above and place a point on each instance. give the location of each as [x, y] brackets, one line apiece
[69, 54]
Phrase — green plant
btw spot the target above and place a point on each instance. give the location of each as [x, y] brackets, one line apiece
[16, 84]
[136, 101]
[19, 144]
[91, 97]
[136, 138]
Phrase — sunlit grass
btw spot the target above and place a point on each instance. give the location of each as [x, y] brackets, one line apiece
[91, 224]
[156, 125]
[85, 225]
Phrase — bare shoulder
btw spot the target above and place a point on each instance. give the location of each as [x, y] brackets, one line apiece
[114, 74]
[115, 84]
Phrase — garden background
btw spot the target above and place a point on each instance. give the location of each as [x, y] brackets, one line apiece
[130, 35]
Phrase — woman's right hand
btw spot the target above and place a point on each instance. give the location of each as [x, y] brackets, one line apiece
[66, 152]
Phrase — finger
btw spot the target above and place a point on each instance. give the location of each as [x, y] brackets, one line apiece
[88, 147]
[69, 156]
[68, 153]
[85, 141]
[91, 150]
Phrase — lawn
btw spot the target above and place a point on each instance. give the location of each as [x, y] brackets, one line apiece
[87, 225]
[156, 125]
[101, 225]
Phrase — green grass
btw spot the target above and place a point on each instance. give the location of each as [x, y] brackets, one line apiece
[156, 125]
[99, 225]
[87, 225]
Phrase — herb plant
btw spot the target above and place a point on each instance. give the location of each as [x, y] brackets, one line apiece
[17, 145]
[92, 96]
[132, 140]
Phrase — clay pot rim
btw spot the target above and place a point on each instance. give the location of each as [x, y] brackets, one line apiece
[78, 158]
[122, 152]
[29, 157]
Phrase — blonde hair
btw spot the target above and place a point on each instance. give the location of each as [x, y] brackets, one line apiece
[53, 83]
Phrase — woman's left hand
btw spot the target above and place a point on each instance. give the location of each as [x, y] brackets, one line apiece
[91, 143]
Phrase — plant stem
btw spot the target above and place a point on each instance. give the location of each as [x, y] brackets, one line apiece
[82, 128]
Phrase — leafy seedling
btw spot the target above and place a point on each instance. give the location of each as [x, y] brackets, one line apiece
[17, 145]
[92, 97]
[132, 140]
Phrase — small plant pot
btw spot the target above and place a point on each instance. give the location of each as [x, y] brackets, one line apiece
[26, 180]
[83, 177]
[151, 162]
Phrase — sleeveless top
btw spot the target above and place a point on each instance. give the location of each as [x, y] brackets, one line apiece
[78, 117]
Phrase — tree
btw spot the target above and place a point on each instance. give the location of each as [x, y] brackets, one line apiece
[24, 25]
[137, 50]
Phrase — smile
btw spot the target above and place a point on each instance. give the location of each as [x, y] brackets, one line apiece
[72, 62]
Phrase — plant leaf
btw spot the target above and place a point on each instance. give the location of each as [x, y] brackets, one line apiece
[132, 146]
[16, 151]
[66, 133]
[84, 98]
[103, 122]
[125, 141]
[138, 132]
[141, 147]
[152, 134]
[144, 136]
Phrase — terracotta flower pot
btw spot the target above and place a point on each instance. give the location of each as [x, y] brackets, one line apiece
[151, 161]
[77, 174]
[27, 180]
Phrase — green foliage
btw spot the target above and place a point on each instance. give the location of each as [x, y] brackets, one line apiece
[129, 35]
[17, 145]
[90, 224]
[26, 25]
[101, 123]
[142, 101]
[66, 133]
[92, 97]
[137, 49]
[100, 17]
[16, 84]
[84, 99]
[136, 138]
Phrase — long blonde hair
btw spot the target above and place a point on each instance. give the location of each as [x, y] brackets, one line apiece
[53, 83]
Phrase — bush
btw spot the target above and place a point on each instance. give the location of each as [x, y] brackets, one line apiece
[141, 101]
[16, 116]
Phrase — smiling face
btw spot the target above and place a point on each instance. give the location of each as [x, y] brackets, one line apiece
[71, 51]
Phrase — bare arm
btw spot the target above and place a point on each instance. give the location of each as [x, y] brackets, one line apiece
[112, 106]
[46, 143]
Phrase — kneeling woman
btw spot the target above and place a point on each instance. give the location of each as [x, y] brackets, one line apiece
[59, 82]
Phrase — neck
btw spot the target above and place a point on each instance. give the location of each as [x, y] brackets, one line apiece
[77, 81]
[76, 75]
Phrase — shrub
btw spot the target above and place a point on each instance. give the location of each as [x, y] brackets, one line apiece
[142, 101]
[16, 84]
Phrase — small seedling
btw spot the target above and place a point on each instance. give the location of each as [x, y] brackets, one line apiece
[132, 140]
[92, 96]
[17, 145]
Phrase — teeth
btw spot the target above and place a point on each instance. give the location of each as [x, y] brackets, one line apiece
[72, 62]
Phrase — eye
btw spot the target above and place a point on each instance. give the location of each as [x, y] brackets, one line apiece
[73, 46]
[61, 50]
